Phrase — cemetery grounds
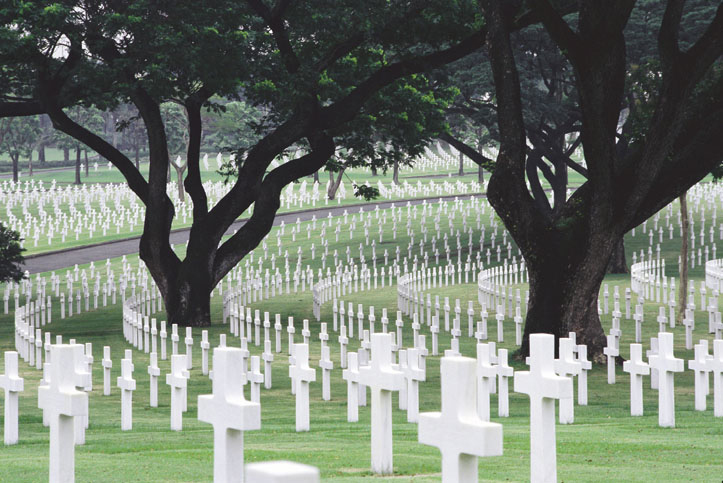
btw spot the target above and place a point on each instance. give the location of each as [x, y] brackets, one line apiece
[604, 444]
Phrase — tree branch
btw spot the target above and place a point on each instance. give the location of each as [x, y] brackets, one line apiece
[477, 157]
[507, 190]
[668, 34]
[347, 107]
[559, 30]
[267, 204]
[17, 109]
[133, 177]
[698, 149]
[706, 50]
[274, 19]
[193, 184]
[534, 160]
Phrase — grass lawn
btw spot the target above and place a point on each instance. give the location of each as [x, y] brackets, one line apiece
[604, 444]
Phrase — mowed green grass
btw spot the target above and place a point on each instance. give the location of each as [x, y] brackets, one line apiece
[604, 444]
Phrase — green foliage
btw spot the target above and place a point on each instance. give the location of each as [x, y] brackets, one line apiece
[365, 192]
[11, 258]
[227, 49]
[176, 124]
[89, 117]
[19, 136]
[232, 125]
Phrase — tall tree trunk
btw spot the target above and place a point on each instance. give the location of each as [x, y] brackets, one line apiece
[374, 170]
[187, 298]
[179, 173]
[30, 163]
[683, 286]
[618, 263]
[77, 165]
[395, 173]
[316, 176]
[41, 154]
[15, 167]
[334, 184]
[66, 155]
[461, 164]
[564, 286]
[138, 158]
[87, 170]
[480, 175]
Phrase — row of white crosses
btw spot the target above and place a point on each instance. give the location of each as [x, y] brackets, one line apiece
[99, 209]
[704, 196]
[64, 406]
[84, 360]
[382, 367]
[462, 435]
[155, 292]
[663, 365]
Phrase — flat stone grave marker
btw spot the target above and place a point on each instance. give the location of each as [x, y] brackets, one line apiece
[281, 472]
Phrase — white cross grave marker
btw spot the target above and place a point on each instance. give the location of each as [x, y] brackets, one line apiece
[178, 382]
[127, 385]
[382, 380]
[611, 351]
[153, 373]
[566, 365]
[12, 384]
[457, 430]
[717, 369]
[504, 372]
[301, 375]
[255, 379]
[637, 368]
[229, 413]
[666, 364]
[326, 366]
[701, 366]
[415, 374]
[62, 402]
[543, 386]
[487, 375]
[351, 376]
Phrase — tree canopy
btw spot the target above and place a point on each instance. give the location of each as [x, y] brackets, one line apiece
[667, 141]
[11, 255]
[359, 86]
